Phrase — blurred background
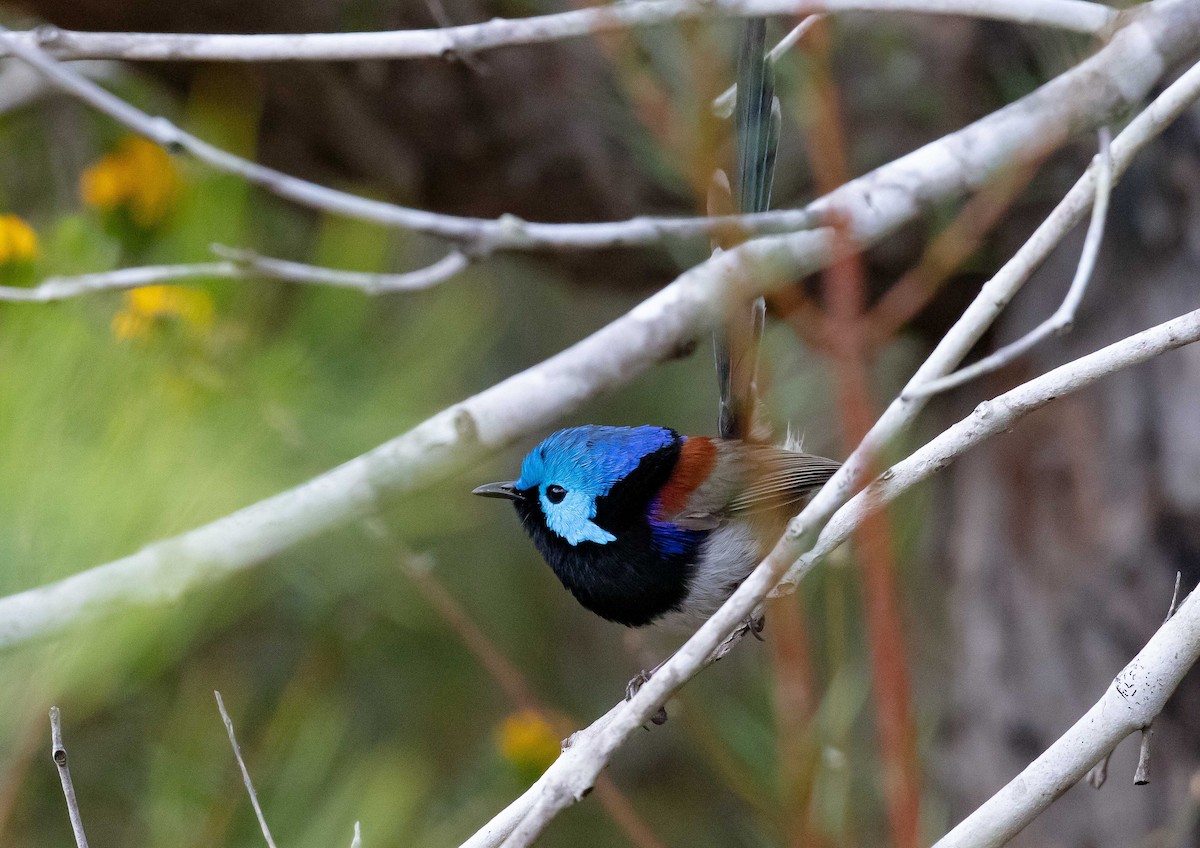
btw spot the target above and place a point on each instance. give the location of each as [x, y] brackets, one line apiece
[416, 672]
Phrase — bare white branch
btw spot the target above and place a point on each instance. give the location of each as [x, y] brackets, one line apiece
[483, 235]
[801, 531]
[59, 752]
[1135, 697]
[572, 775]
[62, 288]
[658, 329]
[356, 842]
[450, 42]
[372, 283]
[1064, 317]
[237, 755]
[991, 301]
[239, 264]
[20, 85]
[507, 232]
[1141, 775]
[993, 297]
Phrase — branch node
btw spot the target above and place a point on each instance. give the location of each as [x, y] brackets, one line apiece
[1174, 597]
[1099, 772]
[47, 35]
[1141, 775]
[59, 753]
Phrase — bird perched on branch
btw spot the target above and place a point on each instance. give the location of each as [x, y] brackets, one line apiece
[643, 524]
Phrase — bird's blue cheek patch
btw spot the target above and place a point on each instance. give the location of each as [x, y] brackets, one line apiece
[572, 519]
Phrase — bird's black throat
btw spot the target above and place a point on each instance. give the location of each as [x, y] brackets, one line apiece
[630, 580]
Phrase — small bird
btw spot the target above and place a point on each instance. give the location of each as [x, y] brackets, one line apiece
[645, 525]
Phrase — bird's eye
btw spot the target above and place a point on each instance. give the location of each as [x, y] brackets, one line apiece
[555, 493]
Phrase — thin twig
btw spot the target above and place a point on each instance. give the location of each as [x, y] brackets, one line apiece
[956, 243]
[1174, 597]
[443, 20]
[59, 752]
[483, 235]
[451, 42]
[237, 754]
[372, 283]
[21, 85]
[356, 842]
[1141, 775]
[1064, 317]
[63, 288]
[238, 264]
[1099, 772]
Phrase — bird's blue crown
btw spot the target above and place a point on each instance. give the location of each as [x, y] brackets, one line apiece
[586, 462]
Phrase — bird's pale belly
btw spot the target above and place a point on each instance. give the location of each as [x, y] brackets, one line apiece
[726, 558]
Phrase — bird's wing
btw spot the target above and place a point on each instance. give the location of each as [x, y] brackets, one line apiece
[720, 478]
[776, 477]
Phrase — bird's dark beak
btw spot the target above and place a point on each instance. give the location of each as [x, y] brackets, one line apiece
[498, 490]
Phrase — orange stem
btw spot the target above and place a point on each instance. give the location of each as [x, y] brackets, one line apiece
[845, 292]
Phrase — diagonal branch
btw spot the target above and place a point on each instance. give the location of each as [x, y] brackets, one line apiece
[237, 755]
[1135, 697]
[1064, 317]
[458, 41]
[995, 296]
[987, 305]
[573, 774]
[658, 329]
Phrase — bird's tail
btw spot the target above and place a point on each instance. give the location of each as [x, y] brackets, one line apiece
[757, 127]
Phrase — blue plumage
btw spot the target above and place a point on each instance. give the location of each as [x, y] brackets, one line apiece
[587, 462]
[642, 523]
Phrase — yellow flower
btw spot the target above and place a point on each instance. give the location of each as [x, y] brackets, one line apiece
[138, 176]
[528, 741]
[145, 306]
[18, 241]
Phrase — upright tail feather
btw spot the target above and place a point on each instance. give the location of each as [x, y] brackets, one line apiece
[757, 120]
[757, 127]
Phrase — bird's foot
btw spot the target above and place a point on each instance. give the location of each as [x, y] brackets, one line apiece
[635, 683]
[752, 624]
[755, 625]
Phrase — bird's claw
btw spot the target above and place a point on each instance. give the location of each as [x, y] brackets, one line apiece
[755, 626]
[635, 683]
